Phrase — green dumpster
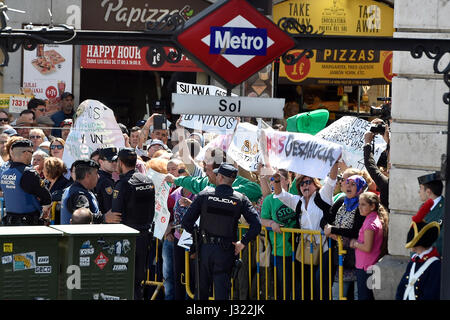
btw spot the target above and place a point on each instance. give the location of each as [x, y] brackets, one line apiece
[97, 262]
[29, 268]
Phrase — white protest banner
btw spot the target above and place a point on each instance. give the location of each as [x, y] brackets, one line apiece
[186, 238]
[208, 123]
[222, 141]
[201, 89]
[95, 127]
[162, 214]
[244, 147]
[349, 132]
[300, 152]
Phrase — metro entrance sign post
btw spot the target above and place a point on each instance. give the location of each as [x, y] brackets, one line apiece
[231, 41]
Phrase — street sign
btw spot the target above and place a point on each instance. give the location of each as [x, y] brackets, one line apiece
[231, 40]
[227, 106]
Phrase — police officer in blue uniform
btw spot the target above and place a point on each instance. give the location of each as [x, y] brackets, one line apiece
[79, 194]
[24, 191]
[104, 190]
[220, 210]
[134, 201]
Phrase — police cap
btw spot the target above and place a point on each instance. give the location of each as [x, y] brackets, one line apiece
[85, 163]
[25, 143]
[127, 154]
[435, 176]
[226, 170]
[108, 153]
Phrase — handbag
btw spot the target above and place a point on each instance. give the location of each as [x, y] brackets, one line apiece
[306, 256]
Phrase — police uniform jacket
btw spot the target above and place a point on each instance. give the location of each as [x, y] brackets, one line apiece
[220, 210]
[24, 191]
[134, 198]
[77, 196]
[104, 190]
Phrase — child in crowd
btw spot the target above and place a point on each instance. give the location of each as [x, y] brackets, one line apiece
[368, 246]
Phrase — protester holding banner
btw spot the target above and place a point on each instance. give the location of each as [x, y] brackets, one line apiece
[344, 219]
[311, 205]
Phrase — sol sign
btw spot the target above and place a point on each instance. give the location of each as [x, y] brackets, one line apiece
[231, 40]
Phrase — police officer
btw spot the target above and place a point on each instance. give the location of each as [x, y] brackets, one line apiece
[134, 201]
[24, 191]
[108, 164]
[79, 194]
[220, 210]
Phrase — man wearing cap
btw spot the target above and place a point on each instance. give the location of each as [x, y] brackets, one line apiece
[79, 194]
[220, 210]
[432, 209]
[134, 201]
[105, 185]
[24, 191]
[66, 112]
[422, 278]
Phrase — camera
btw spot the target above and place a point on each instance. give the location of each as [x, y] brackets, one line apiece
[379, 128]
[383, 112]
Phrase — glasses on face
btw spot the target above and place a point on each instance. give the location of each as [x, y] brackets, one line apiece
[4, 119]
[307, 182]
[35, 137]
[41, 110]
[59, 147]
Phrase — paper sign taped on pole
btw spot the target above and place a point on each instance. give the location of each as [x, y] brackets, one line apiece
[208, 123]
[95, 127]
[244, 147]
[162, 213]
[349, 132]
[299, 152]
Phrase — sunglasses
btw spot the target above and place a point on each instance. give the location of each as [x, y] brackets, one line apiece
[41, 110]
[4, 119]
[307, 182]
[59, 147]
[36, 137]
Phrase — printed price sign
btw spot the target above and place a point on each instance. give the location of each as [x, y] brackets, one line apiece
[18, 103]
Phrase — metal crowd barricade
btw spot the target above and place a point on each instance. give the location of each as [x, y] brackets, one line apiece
[152, 280]
[293, 232]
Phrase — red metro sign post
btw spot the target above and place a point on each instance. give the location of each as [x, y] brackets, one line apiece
[231, 41]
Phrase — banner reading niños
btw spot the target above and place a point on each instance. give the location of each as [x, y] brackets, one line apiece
[299, 152]
[95, 127]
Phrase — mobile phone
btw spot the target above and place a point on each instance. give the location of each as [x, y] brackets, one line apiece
[159, 123]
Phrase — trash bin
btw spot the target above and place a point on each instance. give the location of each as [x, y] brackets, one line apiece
[97, 261]
[29, 268]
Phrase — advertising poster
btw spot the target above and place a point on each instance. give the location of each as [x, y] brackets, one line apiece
[47, 71]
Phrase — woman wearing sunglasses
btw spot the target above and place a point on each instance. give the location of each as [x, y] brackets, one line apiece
[311, 203]
[57, 148]
[4, 118]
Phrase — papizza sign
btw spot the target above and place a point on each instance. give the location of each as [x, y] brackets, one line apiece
[231, 41]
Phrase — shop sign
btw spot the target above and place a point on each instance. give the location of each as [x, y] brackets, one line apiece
[132, 58]
[340, 66]
[133, 14]
[232, 41]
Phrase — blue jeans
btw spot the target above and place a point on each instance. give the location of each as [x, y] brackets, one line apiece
[288, 277]
[364, 293]
[167, 254]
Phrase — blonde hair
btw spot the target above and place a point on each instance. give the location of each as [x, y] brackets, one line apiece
[37, 131]
[157, 164]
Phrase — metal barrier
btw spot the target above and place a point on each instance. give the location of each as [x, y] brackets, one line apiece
[154, 282]
[293, 232]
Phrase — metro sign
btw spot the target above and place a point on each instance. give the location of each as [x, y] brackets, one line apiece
[231, 40]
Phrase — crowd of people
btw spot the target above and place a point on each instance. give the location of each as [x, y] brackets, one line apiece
[113, 185]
